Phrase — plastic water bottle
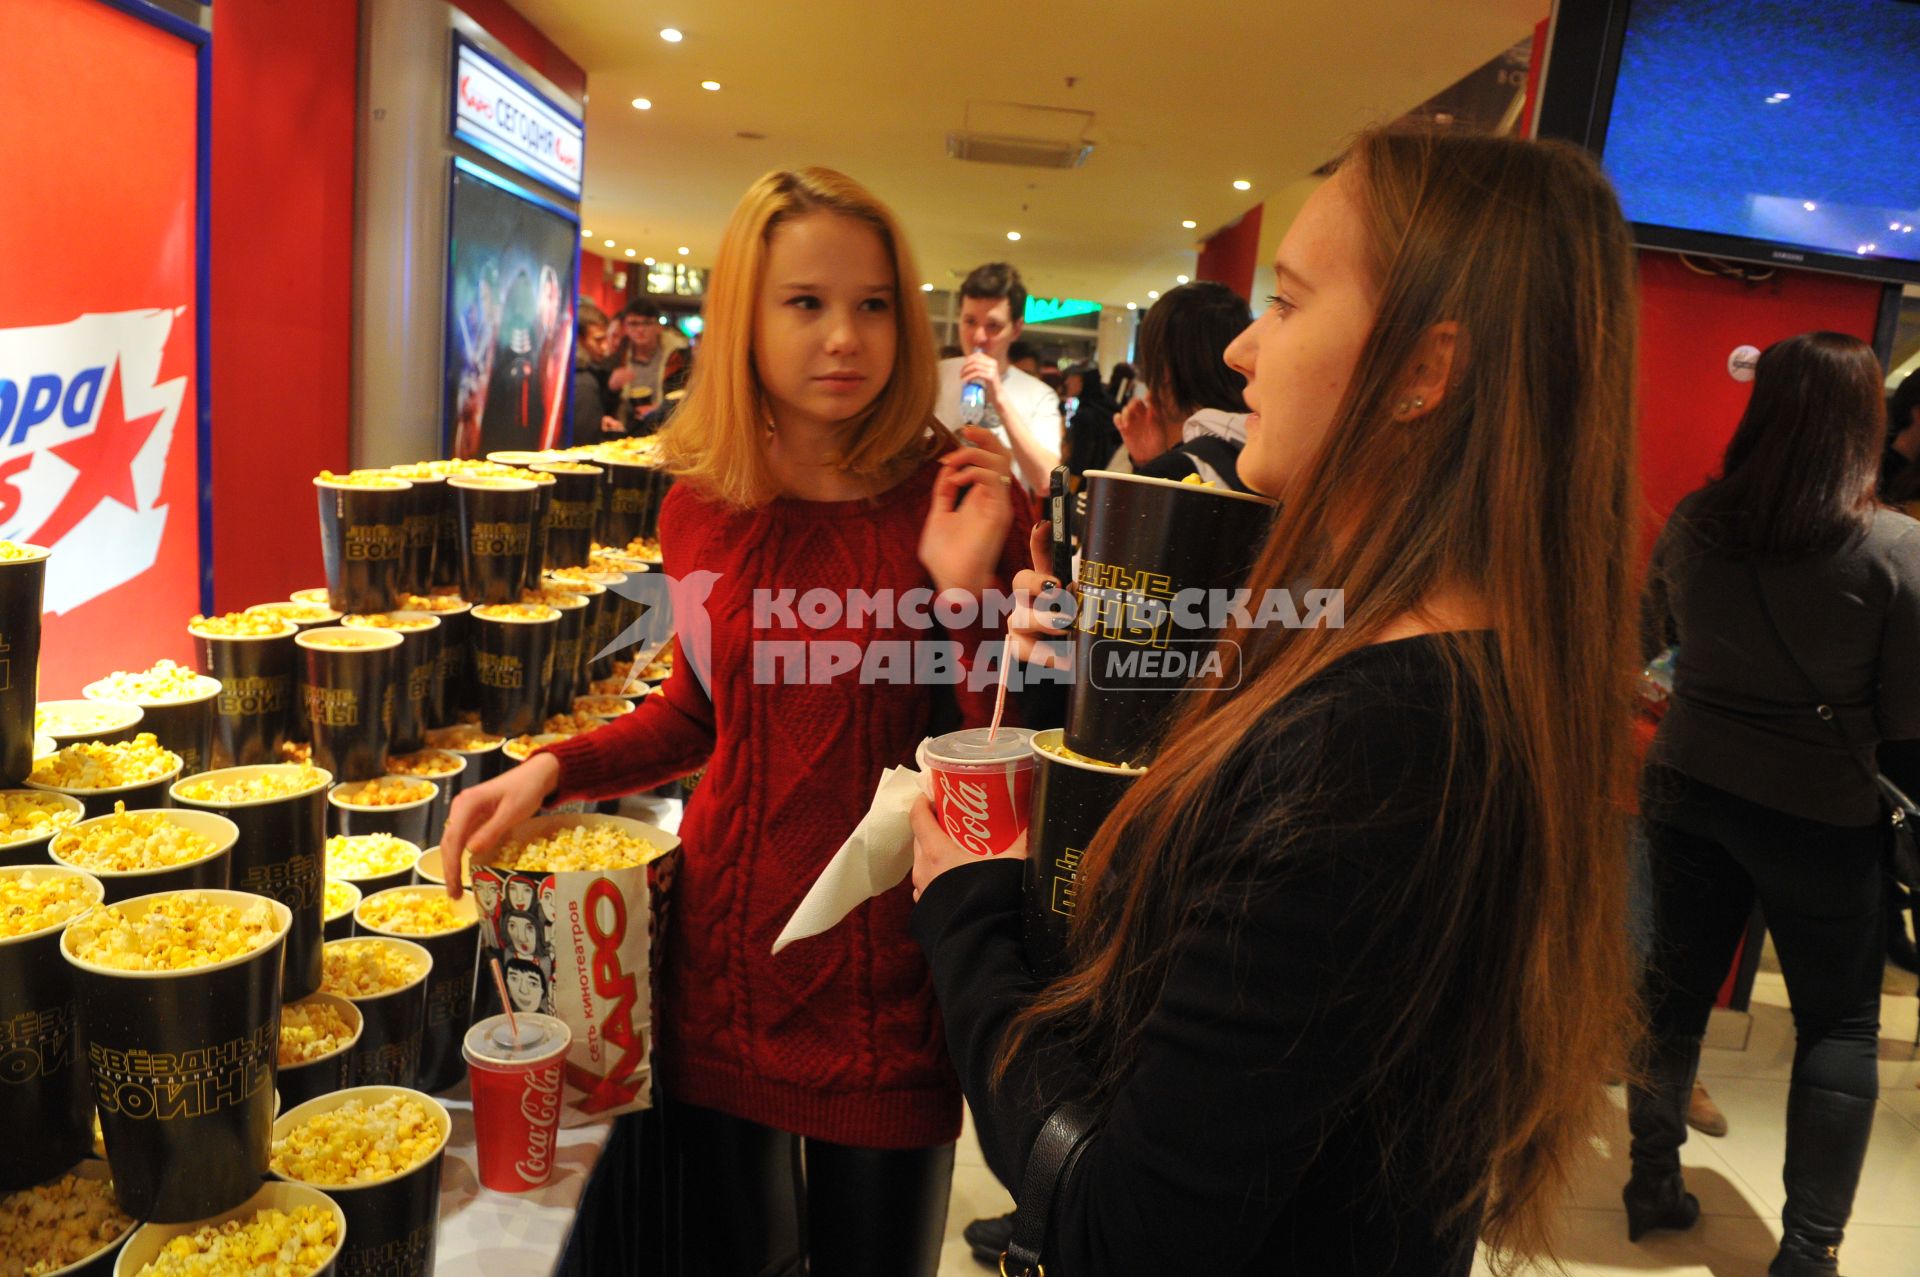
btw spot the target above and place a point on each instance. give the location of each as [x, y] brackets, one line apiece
[973, 399]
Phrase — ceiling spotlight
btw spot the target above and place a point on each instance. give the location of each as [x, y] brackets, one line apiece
[1893, 226]
[585, 233]
[1013, 235]
[629, 252]
[684, 250]
[1782, 97]
[1906, 230]
[1243, 185]
[642, 104]
[1809, 205]
[648, 261]
[1153, 295]
[609, 243]
[926, 288]
[711, 86]
[670, 35]
[1180, 279]
[1190, 224]
[1133, 305]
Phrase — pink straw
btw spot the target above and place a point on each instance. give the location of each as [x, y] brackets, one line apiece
[1000, 698]
[506, 1003]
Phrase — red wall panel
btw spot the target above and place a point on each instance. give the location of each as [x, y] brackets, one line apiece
[596, 282]
[281, 255]
[1689, 324]
[1228, 257]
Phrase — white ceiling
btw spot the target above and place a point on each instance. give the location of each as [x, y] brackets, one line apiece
[1186, 98]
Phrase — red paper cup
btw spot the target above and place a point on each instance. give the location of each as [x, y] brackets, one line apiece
[982, 787]
[516, 1098]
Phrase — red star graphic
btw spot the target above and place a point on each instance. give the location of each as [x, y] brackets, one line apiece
[105, 461]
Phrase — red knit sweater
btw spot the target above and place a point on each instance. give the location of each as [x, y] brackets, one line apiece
[838, 1038]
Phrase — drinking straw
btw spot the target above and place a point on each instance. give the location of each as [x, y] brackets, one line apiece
[1000, 698]
[506, 1003]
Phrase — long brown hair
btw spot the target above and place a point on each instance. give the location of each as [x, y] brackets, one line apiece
[1798, 475]
[717, 438]
[1515, 998]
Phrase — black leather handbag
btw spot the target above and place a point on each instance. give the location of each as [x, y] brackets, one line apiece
[1056, 1150]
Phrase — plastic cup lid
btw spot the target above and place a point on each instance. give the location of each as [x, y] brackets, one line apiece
[1009, 744]
[541, 1036]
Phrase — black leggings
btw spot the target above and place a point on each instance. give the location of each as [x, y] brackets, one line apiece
[756, 1202]
[1819, 885]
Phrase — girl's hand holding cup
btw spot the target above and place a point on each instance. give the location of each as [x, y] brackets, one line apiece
[482, 815]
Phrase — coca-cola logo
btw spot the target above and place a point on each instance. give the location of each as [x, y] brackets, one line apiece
[964, 809]
[540, 1107]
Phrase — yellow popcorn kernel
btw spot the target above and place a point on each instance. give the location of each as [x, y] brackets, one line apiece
[554, 596]
[340, 899]
[366, 968]
[354, 856]
[462, 736]
[164, 683]
[242, 625]
[517, 612]
[412, 913]
[592, 576]
[273, 1243]
[91, 765]
[303, 779]
[363, 479]
[35, 899]
[177, 932]
[386, 621]
[431, 603]
[296, 751]
[25, 814]
[307, 612]
[48, 1227]
[310, 1031]
[386, 791]
[11, 551]
[130, 841]
[577, 848]
[425, 762]
[602, 706]
[360, 1142]
[344, 640]
[572, 724]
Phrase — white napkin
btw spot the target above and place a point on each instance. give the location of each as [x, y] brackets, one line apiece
[876, 857]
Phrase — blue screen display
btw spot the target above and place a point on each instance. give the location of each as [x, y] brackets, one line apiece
[1795, 122]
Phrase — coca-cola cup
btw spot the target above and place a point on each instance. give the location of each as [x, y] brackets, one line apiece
[982, 786]
[515, 1082]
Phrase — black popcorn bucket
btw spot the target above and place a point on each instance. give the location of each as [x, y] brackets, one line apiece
[544, 486]
[451, 691]
[347, 687]
[280, 854]
[392, 1023]
[182, 1064]
[496, 535]
[484, 762]
[406, 821]
[324, 1074]
[101, 1262]
[255, 712]
[108, 722]
[1071, 797]
[336, 921]
[600, 606]
[392, 1224]
[450, 985]
[184, 725]
[305, 616]
[210, 871]
[513, 666]
[149, 1240]
[596, 654]
[450, 780]
[632, 494]
[46, 1107]
[363, 540]
[568, 642]
[573, 513]
[100, 802]
[1148, 543]
[23, 584]
[31, 849]
[400, 875]
[426, 504]
[417, 670]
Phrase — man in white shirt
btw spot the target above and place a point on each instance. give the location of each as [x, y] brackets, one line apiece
[1022, 408]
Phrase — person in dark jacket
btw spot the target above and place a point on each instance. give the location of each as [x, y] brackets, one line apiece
[1303, 1007]
[1794, 601]
[593, 404]
[1091, 434]
[1192, 419]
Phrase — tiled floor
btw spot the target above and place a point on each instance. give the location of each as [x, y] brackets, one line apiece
[1737, 1178]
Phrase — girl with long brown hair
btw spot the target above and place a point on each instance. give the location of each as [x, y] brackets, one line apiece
[1350, 968]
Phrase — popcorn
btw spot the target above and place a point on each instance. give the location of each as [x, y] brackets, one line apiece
[633, 448]
[300, 612]
[215, 788]
[46, 1228]
[660, 666]
[577, 848]
[362, 479]
[313, 594]
[521, 748]
[574, 724]
[71, 719]
[310, 1031]
[572, 467]
[25, 814]
[359, 1142]
[646, 549]
[274, 1243]
[367, 968]
[425, 762]
[1058, 748]
[517, 612]
[593, 576]
[165, 683]
[359, 856]
[91, 765]
[446, 469]
[442, 603]
[344, 640]
[411, 913]
[386, 621]
[295, 751]
[35, 899]
[386, 791]
[11, 551]
[341, 898]
[602, 706]
[130, 841]
[554, 596]
[242, 625]
[177, 932]
[462, 736]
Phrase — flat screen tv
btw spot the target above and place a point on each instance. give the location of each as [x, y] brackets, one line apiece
[1782, 132]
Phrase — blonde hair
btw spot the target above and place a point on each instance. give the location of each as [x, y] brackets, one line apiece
[716, 440]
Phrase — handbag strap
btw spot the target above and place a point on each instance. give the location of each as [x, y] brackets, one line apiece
[1055, 1150]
